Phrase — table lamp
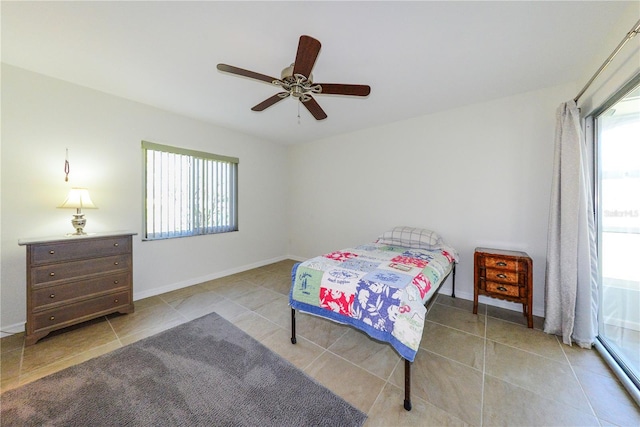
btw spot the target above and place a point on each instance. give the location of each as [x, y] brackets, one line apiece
[78, 198]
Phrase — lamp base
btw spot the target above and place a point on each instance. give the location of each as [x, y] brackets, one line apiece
[78, 222]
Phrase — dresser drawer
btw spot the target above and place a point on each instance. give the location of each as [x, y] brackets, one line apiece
[70, 270]
[505, 276]
[73, 312]
[503, 289]
[500, 262]
[46, 297]
[79, 249]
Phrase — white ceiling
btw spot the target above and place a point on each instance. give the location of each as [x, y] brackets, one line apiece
[418, 57]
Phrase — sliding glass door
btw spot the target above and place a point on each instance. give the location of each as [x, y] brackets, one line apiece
[618, 215]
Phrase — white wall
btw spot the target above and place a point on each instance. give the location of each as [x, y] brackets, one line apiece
[480, 175]
[42, 116]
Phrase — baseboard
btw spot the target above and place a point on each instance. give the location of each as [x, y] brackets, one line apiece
[16, 328]
[202, 279]
[446, 290]
[494, 302]
[19, 327]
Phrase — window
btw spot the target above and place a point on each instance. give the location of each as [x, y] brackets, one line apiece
[617, 148]
[188, 192]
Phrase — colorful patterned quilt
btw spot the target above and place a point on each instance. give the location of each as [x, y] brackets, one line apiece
[379, 289]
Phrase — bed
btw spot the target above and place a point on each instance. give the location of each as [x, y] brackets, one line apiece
[384, 288]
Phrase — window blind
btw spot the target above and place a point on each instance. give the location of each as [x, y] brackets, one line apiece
[188, 192]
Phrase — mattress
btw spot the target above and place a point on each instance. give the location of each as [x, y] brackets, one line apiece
[377, 288]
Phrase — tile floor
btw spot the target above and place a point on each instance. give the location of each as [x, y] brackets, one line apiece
[482, 370]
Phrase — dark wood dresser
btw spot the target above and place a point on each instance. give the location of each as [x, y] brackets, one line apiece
[503, 274]
[77, 278]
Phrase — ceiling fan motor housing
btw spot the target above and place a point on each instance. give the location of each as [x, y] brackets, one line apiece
[297, 85]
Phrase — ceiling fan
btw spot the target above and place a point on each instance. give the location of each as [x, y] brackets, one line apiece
[297, 80]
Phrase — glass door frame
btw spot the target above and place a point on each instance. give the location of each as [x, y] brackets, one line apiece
[628, 378]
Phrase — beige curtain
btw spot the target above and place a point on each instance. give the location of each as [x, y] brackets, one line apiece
[571, 295]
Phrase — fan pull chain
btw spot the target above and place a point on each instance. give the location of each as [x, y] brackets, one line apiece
[66, 166]
[298, 112]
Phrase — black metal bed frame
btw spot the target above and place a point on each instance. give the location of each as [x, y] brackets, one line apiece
[407, 364]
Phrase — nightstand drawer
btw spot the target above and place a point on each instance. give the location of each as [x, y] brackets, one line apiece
[500, 262]
[505, 276]
[503, 289]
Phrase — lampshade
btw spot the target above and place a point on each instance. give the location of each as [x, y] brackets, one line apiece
[78, 198]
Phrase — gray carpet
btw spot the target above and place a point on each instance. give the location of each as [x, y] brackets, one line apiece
[205, 372]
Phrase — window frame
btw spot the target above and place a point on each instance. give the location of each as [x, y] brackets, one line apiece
[202, 158]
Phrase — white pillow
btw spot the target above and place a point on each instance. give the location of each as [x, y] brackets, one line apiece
[411, 237]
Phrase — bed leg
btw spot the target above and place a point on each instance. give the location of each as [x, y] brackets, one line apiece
[453, 292]
[293, 326]
[407, 385]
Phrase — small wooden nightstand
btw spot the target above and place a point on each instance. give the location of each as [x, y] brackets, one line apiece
[507, 275]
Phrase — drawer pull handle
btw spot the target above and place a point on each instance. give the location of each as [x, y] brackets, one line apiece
[501, 264]
[502, 276]
[52, 318]
[52, 274]
[115, 244]
[502, 289]
[115, 263]
[52, 252]
[115, 300]
[52, 296]
[115, 282]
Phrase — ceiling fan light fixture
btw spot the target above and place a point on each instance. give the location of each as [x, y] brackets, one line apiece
[297, 91]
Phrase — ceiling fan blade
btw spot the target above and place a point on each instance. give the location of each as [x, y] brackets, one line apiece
[245, 73]
[270, 101]
[340, 89]
[315, 109]
[308, 49]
